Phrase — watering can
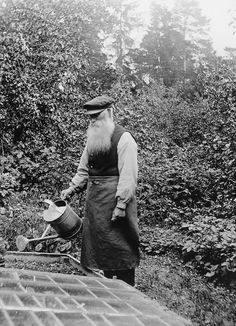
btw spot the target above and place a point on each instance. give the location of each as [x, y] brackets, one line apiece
[61, 218]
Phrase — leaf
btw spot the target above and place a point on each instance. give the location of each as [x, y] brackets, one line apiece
[38, 247]
[64, 247]
[210, 274]
[198, 257]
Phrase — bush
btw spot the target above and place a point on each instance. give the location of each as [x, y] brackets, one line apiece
[187, 165]
[9, 178]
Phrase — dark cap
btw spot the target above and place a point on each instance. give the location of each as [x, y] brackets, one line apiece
[98, 104]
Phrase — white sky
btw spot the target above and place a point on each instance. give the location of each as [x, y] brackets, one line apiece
[218, 11]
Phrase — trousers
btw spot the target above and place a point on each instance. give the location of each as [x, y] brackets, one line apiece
[126, 275]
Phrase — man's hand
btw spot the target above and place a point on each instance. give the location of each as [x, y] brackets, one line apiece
[117, 213]
[67, 193]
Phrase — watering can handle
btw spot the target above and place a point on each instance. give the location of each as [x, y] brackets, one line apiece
[51, 203]
[46, 231]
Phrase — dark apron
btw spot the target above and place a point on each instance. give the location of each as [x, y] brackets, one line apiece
[108, 245]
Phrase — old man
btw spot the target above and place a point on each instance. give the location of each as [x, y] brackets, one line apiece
[108, 170]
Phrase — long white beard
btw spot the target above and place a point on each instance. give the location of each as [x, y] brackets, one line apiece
[99, 136]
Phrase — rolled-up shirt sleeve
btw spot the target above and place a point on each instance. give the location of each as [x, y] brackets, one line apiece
[79, 181]
[128, 169]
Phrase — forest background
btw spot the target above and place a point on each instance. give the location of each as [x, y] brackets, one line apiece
[173, 93]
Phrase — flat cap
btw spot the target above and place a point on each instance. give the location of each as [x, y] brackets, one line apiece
[98, 104]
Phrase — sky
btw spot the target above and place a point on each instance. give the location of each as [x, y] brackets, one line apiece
[218, 11]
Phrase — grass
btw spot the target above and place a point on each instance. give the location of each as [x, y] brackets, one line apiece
[180, 288]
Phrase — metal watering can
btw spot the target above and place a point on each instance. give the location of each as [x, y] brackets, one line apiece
[61, 218]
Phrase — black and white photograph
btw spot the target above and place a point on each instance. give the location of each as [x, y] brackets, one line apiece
[118, 162]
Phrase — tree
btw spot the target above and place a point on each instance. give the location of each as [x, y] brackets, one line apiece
[51, 63]
[232, 23]
[123, 20]
[231, 57]
[193, 27]
[52, 60]
[174, 44]
[161, 45]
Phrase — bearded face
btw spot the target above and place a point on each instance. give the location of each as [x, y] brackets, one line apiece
[99, 134]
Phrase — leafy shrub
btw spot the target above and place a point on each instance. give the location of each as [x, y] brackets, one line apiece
[187, 179]
[211, 244]
[9, 178]
[51, 62]
[187, 164]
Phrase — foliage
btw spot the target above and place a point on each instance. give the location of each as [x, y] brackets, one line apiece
[211, 242]
[191, 188]
[187, 170]
[9, 179]
[41, 70]
[175, 42]
[52, 61]
[123, 20]
[180, 288]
